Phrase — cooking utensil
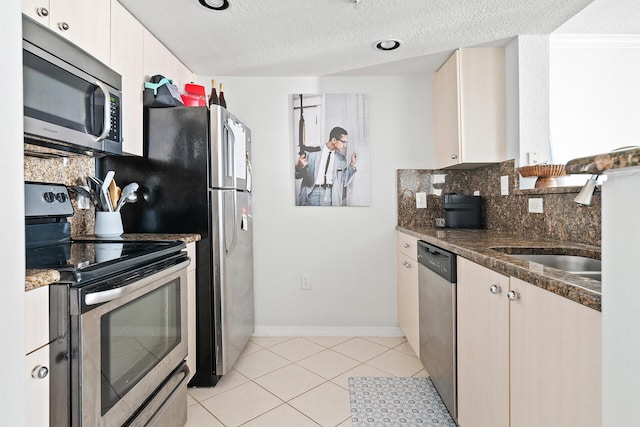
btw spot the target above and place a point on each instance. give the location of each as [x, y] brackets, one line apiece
[128, 195]
[81, 191]
[104, 192]
[95, 185]
[114, 193]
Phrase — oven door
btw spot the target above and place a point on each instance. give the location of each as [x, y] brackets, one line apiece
[131, 340]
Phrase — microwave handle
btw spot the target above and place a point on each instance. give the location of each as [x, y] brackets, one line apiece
[107, 112]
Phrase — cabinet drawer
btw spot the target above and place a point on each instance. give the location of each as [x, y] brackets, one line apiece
[36, 318]
[408, 245]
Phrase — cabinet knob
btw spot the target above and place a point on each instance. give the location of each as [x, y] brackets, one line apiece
[513, 295]
[63, 26]
[495, 289]
[454, 156]
[42, 11]
[406, 245]
[40, 372]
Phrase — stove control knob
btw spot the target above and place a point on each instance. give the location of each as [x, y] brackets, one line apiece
[61, 197]
[49, 197]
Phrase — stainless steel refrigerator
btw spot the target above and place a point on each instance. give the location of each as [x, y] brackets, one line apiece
[195, 177]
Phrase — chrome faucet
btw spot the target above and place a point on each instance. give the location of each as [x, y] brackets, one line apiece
[586, 193]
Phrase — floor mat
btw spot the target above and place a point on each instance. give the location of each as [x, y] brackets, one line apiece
[381, 401]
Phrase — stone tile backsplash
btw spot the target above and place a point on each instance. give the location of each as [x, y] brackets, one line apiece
[562, 219]
[68, 171]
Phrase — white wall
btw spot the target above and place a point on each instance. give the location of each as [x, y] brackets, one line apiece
[595, 94]
[349, 252]
[12, 377]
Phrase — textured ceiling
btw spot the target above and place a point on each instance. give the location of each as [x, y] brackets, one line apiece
[336, 37]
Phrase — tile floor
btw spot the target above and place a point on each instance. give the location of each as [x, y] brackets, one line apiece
[298, 381]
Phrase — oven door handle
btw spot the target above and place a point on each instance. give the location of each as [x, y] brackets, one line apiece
[112, 294]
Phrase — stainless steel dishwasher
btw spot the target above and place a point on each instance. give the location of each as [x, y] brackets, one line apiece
[437, 305]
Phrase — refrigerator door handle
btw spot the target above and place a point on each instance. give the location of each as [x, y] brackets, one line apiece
[230, 140]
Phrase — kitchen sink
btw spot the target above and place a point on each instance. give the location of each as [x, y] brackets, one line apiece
[579, 265]
[574, 264]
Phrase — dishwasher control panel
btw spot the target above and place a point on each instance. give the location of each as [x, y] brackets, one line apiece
[436, 259]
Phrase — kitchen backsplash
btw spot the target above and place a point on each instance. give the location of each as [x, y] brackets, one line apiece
[68, 171]
[562, 219]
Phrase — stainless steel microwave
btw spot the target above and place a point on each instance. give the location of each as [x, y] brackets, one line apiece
[72, 101]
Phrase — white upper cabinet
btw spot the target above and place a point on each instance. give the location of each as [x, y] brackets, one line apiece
[159, 60]
[127, 59]
[84, 23]
[469, 108]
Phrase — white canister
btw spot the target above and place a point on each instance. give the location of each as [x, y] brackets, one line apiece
[108, 224]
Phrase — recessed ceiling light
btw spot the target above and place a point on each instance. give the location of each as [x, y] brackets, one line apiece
[386, 45]
[215, 4]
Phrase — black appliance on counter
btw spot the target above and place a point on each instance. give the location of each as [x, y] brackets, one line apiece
[462, 211]
[195, 177]
[118, 320]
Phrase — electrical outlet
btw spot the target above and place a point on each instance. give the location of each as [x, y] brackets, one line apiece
[305, 282]
[421, 200]
[535, 205]
[504, 185]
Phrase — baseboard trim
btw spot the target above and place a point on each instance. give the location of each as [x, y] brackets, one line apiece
[327, 331]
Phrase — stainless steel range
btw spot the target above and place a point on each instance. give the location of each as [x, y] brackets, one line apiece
[118, 320]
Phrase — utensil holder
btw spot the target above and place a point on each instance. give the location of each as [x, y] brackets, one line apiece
[108, 224]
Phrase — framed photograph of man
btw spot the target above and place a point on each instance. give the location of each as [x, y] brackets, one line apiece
[330, 149]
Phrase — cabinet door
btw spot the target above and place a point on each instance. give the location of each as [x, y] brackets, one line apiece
[87, 23]
[483, 347]
[555, 360]
[36, 318]
[408, 314]
[446, 113]
[37, 387]
[482, 105]
[38, 10]
[126, 59]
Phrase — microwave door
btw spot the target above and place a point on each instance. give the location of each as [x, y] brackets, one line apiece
[64, 105]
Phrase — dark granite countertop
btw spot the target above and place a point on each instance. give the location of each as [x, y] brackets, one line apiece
[37, 278]
[476, 246]
[603, 162]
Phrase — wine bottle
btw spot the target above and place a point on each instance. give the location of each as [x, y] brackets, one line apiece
[223, 102]
[213, 98]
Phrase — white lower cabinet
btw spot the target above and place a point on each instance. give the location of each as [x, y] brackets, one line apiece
[408, 315]
[36, 322]
[191, 308]
[526, 357]
[483, 346]
[37, 387]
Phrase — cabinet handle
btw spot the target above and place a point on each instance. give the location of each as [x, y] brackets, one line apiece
[454, 156]
[40, 372]
[406, 264]
[495, 289]
[63, 26]
[513, 295]
[406, 245]
[42, 11]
